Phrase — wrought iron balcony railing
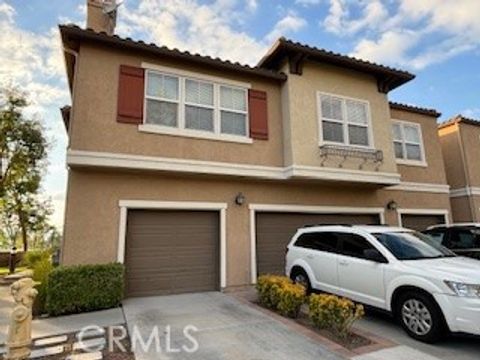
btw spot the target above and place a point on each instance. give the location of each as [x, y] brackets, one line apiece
[344, 152]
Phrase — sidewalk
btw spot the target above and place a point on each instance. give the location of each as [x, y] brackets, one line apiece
[71, 323]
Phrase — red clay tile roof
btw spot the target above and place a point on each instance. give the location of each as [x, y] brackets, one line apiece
[459, 119]
[72, 33]
[284, 48]
[415, 109]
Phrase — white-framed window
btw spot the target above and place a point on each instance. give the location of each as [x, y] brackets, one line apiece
[408, 142]
[344, 121]
[185, 105]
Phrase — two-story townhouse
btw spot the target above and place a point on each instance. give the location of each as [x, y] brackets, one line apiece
[460, 141]
[195, 172]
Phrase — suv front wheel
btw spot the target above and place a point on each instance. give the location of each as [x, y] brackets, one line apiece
[421, 317]
[299, 276]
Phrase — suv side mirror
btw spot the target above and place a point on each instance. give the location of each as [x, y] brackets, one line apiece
[374, 255]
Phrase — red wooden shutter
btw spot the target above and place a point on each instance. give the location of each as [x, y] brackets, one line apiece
[257, 106]
[130, 95]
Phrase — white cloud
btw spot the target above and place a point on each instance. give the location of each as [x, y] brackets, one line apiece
[206, 29]
[189, 25]
[389, 48]
[473, 113]
[308, 2]
[453, 24]
[252, 5]
[339, 21]
[290, 23]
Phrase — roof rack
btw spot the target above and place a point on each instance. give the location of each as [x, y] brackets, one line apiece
[346, 225]
[337, 224]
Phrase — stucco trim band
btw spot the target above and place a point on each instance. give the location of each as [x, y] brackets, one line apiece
[466, 191]
[125, 205]
[254, 208]
[124, 161]
[421, 187]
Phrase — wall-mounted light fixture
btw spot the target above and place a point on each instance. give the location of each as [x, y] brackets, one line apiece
[392, 205]
[240, 199]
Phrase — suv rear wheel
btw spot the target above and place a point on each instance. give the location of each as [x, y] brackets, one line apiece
[299, 276]
[420, 316]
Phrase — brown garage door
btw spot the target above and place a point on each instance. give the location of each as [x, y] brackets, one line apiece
[421, 222]
[275, 230]
[171, 252]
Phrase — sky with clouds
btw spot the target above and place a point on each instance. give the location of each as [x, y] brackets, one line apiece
[438, 40]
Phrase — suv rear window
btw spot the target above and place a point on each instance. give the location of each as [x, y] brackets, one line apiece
[323, 241]
[465, 238]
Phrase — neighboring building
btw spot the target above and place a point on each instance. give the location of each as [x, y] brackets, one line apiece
[195, 172]
[460, 140]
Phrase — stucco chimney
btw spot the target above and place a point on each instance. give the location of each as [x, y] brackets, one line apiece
[102, 15]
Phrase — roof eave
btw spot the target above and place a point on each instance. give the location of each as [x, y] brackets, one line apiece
[414, 109]
[390, 78]
[70, 33]
[457, 120]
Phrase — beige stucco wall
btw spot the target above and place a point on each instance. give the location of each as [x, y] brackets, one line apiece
[475, 201]
[452, 156]
[303, 112]
[434, 172]
[463, 208]
[470, 137]
[92, 213]
[94, 126]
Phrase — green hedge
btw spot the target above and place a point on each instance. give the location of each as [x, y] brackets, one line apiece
[82, 288]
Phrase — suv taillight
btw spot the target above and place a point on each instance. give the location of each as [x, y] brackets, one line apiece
[286, 250]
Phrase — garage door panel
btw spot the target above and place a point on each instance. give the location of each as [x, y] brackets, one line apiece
[275, 230]
[421, 222]
[172, 252]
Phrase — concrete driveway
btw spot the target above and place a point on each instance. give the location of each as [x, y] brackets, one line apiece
[227, 329]
[453, 348]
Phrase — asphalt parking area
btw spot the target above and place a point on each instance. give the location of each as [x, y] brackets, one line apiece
[458, 347]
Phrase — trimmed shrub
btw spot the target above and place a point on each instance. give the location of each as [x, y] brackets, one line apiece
[41, 271]
[334, 313]
[292, 297]
[268, 289]
[31, 258]
[83, 288]
[279, 293]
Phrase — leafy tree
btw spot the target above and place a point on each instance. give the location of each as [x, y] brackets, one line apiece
[23, 149]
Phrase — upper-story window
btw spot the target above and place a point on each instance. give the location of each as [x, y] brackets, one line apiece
[192, 105]
[344, 121]
[408, 142]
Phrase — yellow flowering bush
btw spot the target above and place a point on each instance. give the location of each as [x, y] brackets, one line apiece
[292, 297]
[268, 289]
[279, 293]
[334, 313]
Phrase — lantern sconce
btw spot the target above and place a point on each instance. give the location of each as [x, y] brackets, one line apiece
[392, 205]
[240, 199]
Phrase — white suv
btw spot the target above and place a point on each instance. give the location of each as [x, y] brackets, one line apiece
[427, 287]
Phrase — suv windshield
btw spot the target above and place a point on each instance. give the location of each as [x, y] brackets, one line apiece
[412, 246]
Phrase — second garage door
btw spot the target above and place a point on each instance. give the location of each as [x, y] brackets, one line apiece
[275, 230]
[421, 222]
[171, 252]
